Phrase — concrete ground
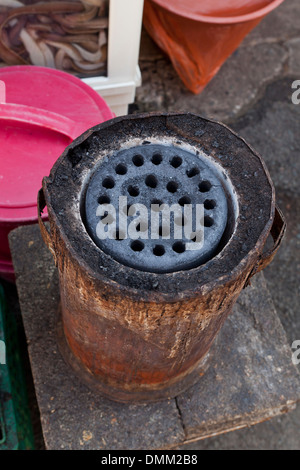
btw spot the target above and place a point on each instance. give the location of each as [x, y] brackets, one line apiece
[252, 94]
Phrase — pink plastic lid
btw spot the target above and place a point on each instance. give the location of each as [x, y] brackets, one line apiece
[220, 11]
[41, 111]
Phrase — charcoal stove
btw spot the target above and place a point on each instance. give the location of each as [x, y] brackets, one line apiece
[139, 314]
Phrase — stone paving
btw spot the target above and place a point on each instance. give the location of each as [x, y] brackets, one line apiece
[252, 94]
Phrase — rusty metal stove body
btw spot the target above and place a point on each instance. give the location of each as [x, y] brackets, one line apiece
[139, 333]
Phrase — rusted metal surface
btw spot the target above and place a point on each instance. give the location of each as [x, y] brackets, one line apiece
[137, 335]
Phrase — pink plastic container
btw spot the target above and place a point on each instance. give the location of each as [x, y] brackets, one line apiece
[41, 111]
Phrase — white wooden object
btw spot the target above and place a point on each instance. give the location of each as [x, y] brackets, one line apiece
[124, 33]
